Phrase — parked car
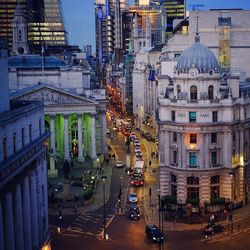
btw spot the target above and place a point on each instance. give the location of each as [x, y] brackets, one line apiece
[211, 229]
[134, 212]
[119, 164]
[132, 197]
[154, 233]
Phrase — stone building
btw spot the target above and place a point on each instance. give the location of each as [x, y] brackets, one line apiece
[204, 130]
[23, 170]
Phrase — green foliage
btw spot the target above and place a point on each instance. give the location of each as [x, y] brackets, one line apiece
[193, 201]
[170, 199]
[218, 201]
[88, 193]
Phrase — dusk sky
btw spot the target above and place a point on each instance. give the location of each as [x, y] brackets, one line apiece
[80, 22]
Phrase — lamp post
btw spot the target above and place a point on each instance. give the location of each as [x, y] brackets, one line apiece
[159, 207]
[104, 208]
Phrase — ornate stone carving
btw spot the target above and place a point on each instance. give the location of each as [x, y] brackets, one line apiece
[51, 97]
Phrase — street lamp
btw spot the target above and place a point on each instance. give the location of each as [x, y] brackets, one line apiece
[104, 208]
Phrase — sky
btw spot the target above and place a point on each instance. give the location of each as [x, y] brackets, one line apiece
[80, 21]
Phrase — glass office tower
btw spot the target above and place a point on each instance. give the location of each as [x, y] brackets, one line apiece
[44, 20]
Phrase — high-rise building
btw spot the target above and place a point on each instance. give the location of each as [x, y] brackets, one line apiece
[44, 22]
[175, 9]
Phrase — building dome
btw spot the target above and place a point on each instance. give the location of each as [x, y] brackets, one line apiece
[197, 56]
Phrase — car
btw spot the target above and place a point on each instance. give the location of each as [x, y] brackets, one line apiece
[137, 150]
[134, 212]
[211, 229]
[119, 164]
[154, 233]
[138, 154]
[132, 197]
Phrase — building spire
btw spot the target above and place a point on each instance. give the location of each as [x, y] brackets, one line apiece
[197, 36]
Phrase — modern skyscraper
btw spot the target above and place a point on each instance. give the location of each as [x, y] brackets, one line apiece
[175, 9]
[44, 22]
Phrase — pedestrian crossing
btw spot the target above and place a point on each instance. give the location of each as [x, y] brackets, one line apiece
[88, 225]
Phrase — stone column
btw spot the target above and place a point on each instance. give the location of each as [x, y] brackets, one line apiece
[26, 214]
[52, 172]
[229, 150]
[162, 155]
[34, 216]
[52, 135]
[241, 153]
[179, 150]
[66, 138]
[184, 152]
[18, 218]
[202, 154]
[167, 145]
[207, 156]
[104, 130]
[1, 227]
[225, 149]
[93, 137]
[79, 123]
[9, 239]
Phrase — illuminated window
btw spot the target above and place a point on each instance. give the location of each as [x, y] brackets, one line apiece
[193, 139]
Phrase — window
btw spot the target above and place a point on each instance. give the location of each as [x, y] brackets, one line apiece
[23, 137]
[215, 186]
[192, 117]
[5, 148]
[174, 156]
[215, 179]
[30, 132]
[173, 178]
[214, 157]
[174, 190]
[193, 192]
[174, 137]
[178, 89]
[211, 92]
[192, 180]
[14, 142]
[214, 138]
[215, 116]
[192, 159]
[193, 138]
[193, 93]
[173, 116]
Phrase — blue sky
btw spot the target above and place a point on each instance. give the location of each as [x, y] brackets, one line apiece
[80, 22]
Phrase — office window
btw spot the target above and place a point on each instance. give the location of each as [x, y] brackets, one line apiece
[174, 137]
[5, 148]
[192, 159]
[30, 132]
[193, 138]
[215, 116]
[214, 157]
[192, 117]
[193, 93]
[214, 138]
[23, 137]
[173, 116]
[14, 142]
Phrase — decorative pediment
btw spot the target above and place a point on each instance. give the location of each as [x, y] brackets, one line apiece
[50, 96]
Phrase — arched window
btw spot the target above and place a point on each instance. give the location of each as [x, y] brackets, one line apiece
[193, 92]
[211, 92]
[178, 89]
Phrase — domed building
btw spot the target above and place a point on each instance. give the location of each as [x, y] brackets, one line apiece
[204, 131]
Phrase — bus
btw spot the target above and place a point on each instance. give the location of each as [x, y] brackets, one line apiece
[137, 178]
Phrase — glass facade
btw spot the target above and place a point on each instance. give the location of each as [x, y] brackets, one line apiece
[44, 21]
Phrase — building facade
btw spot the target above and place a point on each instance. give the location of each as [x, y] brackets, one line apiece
[23, 171]
[203, 120]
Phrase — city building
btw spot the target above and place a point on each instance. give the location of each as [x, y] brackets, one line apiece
[74, 110]
[224, 31]
[174, 9]
[23, 171]
[204, 120]
[145, 88]
[44, 22]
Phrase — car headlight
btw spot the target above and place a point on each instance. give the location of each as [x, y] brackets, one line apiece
[154, 238]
